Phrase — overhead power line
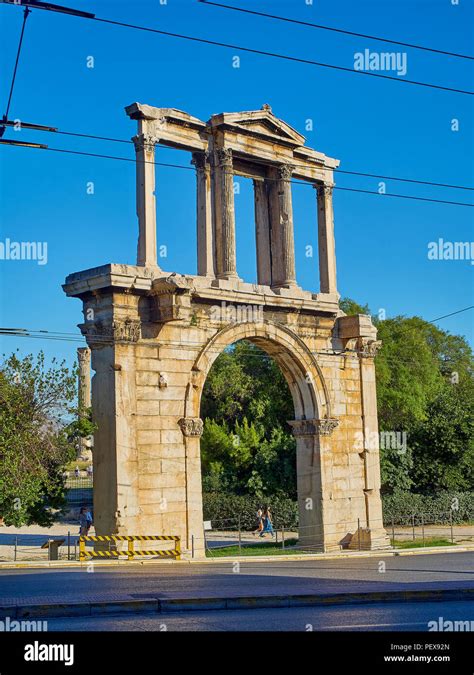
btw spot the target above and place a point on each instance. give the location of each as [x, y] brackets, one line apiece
[351, 173]
[297, 182]
[336, 30]
[276, 55]
[38, 4]
[20, 43]
[445, 316]
[104, 339]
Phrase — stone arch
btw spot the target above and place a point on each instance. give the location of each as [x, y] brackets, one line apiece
[298, 364]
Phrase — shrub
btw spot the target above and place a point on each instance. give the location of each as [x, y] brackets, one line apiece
[401, 506]
[225, 510]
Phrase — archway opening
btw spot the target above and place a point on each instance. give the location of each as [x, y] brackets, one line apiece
[247, 447]
[296, 371]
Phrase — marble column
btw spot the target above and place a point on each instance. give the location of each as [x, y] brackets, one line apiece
[84, 394]
[285, 225]
[371, 453]
[326, 241]
[84, 391]
[313, 468]
[262, 232]
[205, 235]
[225, 215]
[146, 204]
[192, 428]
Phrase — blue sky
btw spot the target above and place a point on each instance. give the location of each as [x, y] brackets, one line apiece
[371, 125]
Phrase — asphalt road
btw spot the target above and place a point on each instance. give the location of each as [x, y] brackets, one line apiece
[181, 580]
[377, 617]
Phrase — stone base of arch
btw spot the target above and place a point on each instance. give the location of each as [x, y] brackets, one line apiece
[153, 340]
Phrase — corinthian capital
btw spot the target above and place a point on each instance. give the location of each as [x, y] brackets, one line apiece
[200, 160]
[224, 157]
[368, 349]
[285, 171]
[83, 355]
[191, 426]
[145, 142]
[314, 427]
[324, 189]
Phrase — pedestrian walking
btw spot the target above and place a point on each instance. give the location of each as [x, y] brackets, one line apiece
[77, 472]
[267, 523]
[85, 521]
[259, 515]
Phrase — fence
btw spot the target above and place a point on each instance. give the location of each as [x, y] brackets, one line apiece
[407, 531]
[79, 491]
[130, 552]
[37, 547]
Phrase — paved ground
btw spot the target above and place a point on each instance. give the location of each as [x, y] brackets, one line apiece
[28, 539]
[381, 617]
[176, 580]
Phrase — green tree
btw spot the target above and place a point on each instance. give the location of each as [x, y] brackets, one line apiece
[36, 437]
[424, 389]
[443, 447]
[247, 445]
[351, 307]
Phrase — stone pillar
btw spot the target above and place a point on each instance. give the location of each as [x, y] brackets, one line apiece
[205, 234]
[312, 457]
[285, 239]
[114, 401]
[262, 233]
[225, 215]
[373, 534]
[326, 241]
[84, 392]
[146, 204]
[192, 428]
[84, 396]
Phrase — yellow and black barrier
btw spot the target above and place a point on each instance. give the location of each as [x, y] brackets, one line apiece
[131, 553]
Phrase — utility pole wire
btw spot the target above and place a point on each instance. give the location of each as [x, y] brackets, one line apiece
[164, 147]
[276, 55]
[5, 117]
[297, 182]
[336, 30]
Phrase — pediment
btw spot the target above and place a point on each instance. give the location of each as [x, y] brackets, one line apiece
[262, 123]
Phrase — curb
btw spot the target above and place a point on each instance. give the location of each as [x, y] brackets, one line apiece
[381, 553]
[159, 606]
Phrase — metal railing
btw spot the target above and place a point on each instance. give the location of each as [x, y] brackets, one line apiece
[409, 530]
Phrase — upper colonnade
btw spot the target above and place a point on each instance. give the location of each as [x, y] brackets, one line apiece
[254, 144]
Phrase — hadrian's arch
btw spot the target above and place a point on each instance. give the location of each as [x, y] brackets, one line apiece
[154, 334]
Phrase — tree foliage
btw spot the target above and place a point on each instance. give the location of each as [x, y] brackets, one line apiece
[247, 445]
[36, 437]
